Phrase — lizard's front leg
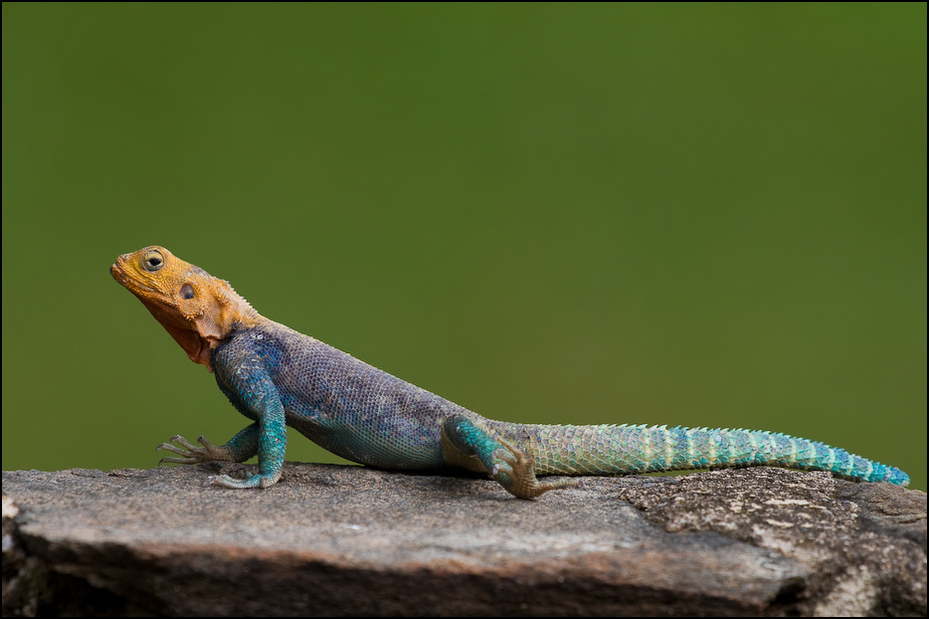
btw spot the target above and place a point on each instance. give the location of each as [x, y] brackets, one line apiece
[253, 392]
[468, 443]
[272, 443]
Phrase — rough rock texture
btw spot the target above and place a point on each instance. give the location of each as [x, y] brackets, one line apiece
[342, 540]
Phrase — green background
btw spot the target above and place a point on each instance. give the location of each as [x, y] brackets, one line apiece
[707, 215]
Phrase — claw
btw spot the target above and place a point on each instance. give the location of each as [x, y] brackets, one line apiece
[170, 447]
[191, 454]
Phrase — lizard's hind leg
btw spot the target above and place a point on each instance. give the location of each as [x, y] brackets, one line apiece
[471, 444]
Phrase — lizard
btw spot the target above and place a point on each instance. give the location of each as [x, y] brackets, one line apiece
[277, 377]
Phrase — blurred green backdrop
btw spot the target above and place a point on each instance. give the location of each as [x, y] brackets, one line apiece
[706, 215]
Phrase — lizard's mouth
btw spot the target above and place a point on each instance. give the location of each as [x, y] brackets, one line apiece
[126, 280]
[119, 274]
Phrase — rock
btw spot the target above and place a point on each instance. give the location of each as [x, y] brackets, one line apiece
[346, 540]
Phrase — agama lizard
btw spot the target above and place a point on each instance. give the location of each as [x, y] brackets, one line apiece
[277, 377]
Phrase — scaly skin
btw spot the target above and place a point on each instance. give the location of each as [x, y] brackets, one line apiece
[278, 377]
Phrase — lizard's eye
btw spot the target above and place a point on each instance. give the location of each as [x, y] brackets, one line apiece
[153, 261]
[187, 291]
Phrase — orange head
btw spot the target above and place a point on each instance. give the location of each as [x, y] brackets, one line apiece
[197, 309]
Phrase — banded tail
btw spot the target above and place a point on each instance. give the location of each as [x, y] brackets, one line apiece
[619, 449]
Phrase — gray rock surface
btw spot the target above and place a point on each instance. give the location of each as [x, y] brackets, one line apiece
[343, 540]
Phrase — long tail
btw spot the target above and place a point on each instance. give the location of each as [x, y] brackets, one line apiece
[617, 449]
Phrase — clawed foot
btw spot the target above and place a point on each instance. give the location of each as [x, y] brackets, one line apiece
[193, 454]
[208, 452]
[516, 473]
